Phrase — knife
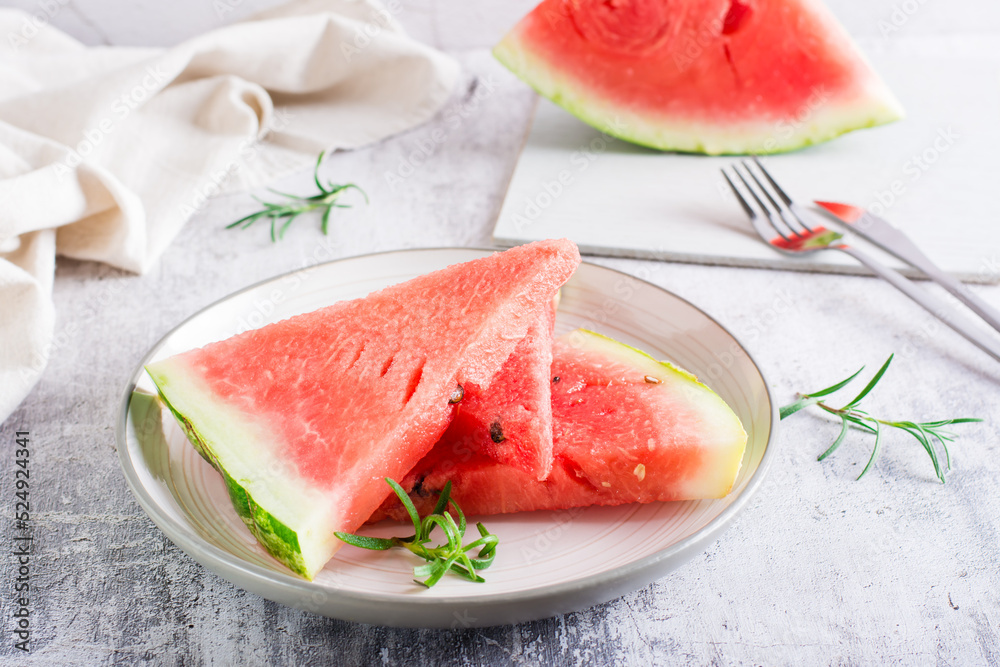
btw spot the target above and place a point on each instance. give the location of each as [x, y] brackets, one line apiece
[891, 239]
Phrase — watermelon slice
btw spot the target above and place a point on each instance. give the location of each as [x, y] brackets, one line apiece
[626, 427]
[511, 422]
[305, 417]
[705, 76]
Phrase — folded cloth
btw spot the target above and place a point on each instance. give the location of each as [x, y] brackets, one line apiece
[106, 152]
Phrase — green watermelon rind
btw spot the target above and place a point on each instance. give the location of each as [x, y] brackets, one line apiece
[687, 375]
[876, 107]
[280, 540]
[613, 347]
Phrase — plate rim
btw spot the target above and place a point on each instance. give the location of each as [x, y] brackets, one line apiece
[225, 564]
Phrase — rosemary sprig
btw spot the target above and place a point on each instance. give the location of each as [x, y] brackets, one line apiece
[451, 556]
[852, 416]
[286, 212]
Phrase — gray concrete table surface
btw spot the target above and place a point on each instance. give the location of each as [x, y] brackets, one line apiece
[820, 569]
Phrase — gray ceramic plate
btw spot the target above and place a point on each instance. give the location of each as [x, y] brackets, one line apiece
[548, 562]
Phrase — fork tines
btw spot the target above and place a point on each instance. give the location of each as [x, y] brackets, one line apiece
[771, 201]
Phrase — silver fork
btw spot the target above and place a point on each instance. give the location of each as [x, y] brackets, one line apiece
[798, 234]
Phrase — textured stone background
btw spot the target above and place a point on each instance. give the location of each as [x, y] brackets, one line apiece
[895, 569]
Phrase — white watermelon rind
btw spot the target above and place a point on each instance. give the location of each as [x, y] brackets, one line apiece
[279, 540]
[872, 105]
[285, 518]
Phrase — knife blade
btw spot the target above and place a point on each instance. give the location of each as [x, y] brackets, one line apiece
[890, 238]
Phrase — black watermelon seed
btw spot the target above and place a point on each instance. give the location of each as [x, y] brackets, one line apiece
[457, 395]
[496, 432]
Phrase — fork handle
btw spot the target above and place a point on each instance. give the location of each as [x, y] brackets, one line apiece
[975, 303]
[931, 303]
[895, 242]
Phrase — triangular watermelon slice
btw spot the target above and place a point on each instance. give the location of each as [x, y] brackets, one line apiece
[627, 428]
[706, 76]
[305, 417]
[511, 422]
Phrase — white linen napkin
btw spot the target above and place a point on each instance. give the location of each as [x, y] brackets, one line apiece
[106, 152]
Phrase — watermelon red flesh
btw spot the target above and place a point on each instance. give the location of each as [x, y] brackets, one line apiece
[305, 417]
[712, 76]
[511, 422]
[626, 428]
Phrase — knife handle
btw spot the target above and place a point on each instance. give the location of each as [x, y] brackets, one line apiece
[931, 303]
[975, 303]
[896, 243]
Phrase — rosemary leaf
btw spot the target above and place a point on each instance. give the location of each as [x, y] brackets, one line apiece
[442, 503]
[287, 211]
[366, 542]
[836, 443]
[871, 384]
[851, 415]
[407, 503]
[448, 557]
[840, 385]
[800, 404]
[878, 439]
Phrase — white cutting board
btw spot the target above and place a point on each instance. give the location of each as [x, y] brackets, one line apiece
[942, 161]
